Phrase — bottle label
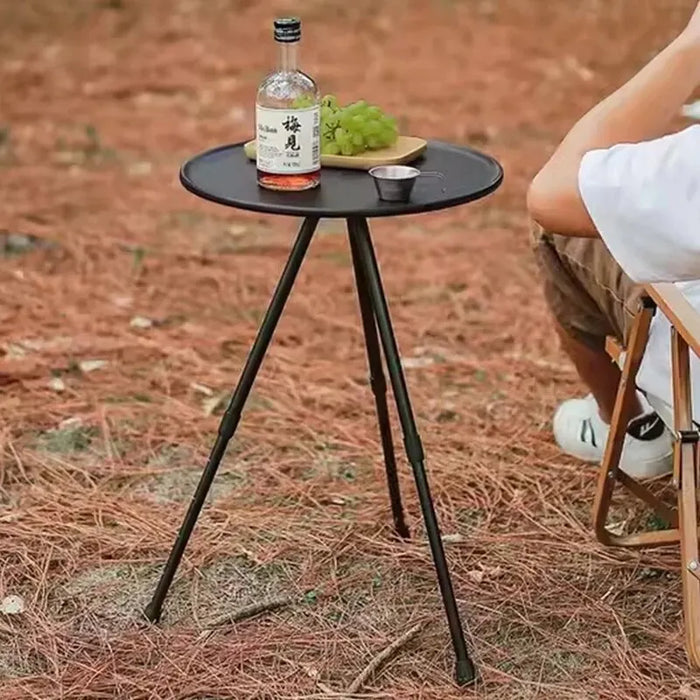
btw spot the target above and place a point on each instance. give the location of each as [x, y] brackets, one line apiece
[288, 140]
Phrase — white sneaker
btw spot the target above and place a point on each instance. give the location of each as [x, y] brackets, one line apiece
[579, 431]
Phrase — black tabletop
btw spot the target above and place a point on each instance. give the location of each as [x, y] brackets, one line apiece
[225, 175]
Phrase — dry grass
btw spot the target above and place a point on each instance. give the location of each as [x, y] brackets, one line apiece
[100, 104]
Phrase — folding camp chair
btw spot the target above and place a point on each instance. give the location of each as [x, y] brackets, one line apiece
[683, 519]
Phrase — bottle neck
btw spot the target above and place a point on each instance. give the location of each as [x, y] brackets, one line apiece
[288, 56]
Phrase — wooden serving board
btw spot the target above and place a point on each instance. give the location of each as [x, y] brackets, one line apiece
[406, 149]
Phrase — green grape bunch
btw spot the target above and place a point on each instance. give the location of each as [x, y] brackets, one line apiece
[355, 128]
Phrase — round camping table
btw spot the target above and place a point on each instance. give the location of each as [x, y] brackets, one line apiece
[225, 175]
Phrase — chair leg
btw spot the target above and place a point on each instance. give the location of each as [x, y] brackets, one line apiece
[608, 472]
[685, 471]
[464, 670]
[378, 384]
[232, 416]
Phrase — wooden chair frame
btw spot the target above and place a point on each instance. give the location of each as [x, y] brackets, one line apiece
[683, 519]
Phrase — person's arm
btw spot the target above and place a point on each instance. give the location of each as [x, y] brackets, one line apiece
[640, 110]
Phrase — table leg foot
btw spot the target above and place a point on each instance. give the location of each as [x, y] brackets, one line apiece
[378, 384]
[232, 415]
[412, 442]
[152, 612]
[465, 673]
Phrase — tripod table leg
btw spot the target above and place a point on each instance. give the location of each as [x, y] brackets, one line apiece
[232, 416]
[378, 384]
[465, 671]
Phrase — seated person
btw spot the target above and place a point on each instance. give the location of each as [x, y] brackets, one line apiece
[617, 205]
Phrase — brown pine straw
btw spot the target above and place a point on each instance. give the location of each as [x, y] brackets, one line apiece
[245, 613]
[382, 657]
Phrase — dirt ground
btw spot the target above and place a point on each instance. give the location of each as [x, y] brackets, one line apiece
[126, 310]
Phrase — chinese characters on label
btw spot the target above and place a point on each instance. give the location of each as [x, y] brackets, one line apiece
[291, 123]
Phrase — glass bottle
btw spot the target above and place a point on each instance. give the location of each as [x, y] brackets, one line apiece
[287, 119]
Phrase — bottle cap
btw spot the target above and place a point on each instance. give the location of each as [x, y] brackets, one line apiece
[288, 29]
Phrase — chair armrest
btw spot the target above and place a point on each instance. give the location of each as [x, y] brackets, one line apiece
[684, 318]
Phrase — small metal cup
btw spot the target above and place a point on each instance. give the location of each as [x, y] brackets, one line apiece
[395, 183]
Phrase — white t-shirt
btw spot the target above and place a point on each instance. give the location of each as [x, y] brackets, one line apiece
[644, 199]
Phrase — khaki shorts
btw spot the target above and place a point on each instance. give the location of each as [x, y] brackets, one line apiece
[587, 291]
